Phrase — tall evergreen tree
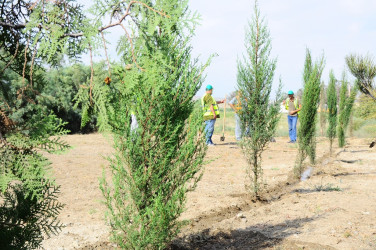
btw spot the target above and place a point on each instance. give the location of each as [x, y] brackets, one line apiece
[346, 103]
[148, 108]
[259, 114]
[332, 108]
[323, 108]
[308, 115]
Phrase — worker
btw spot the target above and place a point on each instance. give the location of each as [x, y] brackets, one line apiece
[211, 113]
[236, 105]
[293, 108]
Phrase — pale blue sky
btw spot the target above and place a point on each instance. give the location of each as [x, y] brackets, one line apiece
[333, 27]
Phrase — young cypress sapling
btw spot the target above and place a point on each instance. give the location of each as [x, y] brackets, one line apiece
[332, 109]
[158, 161]
[346, 103]
[259, 114]
[308, 115]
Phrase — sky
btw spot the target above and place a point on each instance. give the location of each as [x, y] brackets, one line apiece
[334, 28]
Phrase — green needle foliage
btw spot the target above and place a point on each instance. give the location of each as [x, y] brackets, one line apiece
[28, 195]
[32, 35]
[364, 70]
[308, 115]
[332, 108]
[157, 162]
[259, 115]
[346, 103]
[323, 108]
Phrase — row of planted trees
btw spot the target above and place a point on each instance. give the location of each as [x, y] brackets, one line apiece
[260, 114]
[145, 102]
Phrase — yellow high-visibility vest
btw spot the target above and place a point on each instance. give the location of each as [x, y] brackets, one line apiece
[296, 106]
[238, 106]
[206, 108]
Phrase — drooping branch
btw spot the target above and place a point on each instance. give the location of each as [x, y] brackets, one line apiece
[91, 74]
[11, 60]
[80, 34]
[132, 48]
[25, 62]
[105, 51]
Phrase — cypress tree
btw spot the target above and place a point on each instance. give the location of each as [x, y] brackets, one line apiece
[308, 115]
[332, 107]
[159, 160]
[346, 103]
[259, 114]
[323, 108]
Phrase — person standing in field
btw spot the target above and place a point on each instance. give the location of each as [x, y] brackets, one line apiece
[211, 113]
[293, 107]
[235, 104]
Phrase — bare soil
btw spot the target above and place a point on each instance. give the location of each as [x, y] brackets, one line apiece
[333, 209]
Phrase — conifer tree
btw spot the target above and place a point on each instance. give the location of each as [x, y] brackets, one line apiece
[308, 115]
[148, 108]
[346, 103]
[259, 115]
[332, 108]
[323, 108]
[31, 35]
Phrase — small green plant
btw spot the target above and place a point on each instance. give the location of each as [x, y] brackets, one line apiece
[259, 114]
[308, 115]
[347, 234]
[327, 188]
[332, 109]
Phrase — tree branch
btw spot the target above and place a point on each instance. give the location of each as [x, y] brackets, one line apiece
[76, 35]
[11, 60]
[105, 51]
[91, 74]
[132, 48]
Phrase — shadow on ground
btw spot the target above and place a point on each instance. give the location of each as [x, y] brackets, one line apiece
[260, 236]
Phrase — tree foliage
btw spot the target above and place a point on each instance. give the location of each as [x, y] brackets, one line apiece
[259, 115]
[32, 34]
[308, 115]
[157, 162]
[323, 108]
[363, 69]
[346, 103]
[366, 108]
[332, 109]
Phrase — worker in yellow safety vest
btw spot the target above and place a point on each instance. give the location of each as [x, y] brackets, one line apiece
[211, 113]
[293, 106]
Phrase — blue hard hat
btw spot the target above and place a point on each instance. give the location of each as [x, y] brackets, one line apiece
[290, 92]
[209, 87]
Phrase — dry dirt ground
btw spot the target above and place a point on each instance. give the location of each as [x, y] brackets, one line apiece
[334, 209]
